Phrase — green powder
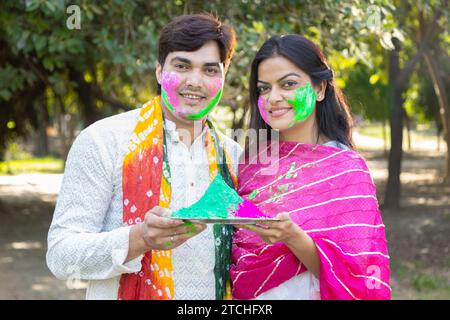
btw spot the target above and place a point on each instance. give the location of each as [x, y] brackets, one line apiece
[191, 226]
[283, 188]
[303, 103]
[218, 202]
[253, 195]
[291, 170]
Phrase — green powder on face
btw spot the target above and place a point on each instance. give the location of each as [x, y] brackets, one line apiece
[208, 108]
[218, 202]
[166, 100]
[214, 102]
[283, 188]
[303, 103]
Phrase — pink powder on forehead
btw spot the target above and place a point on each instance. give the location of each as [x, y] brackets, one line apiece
[170, 82]
[262, 108]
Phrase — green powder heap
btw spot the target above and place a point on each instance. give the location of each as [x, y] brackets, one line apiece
[219, 202]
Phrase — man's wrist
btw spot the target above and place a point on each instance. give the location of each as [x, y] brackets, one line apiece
[139, 238]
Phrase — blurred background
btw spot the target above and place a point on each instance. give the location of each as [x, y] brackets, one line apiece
[65, 65]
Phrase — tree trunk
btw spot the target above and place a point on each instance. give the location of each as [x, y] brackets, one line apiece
[439, 88]
[408, 129]
[393, 188]
[42, 116]
[438, 139]
[3, 129]
[441, 94]
[397, 82]
[384, 133]
[89, 111]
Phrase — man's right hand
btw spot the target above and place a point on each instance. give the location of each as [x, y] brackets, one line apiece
[159, 232]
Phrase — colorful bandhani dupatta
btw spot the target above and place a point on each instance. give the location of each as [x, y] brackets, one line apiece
[146, 183]
[330, 194]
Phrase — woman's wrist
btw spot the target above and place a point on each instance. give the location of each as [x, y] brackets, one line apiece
[298, 239]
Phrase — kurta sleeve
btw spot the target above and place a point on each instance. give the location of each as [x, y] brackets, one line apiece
[78, 246]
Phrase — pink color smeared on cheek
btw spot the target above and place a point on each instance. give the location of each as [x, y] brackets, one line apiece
[214, 86]
[170, 82]
[262, 108]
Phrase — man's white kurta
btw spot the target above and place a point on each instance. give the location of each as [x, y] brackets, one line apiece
[88, 239]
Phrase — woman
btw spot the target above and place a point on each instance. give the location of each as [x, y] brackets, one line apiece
[329, 242]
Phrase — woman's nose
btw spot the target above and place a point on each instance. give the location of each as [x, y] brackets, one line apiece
[275, 96]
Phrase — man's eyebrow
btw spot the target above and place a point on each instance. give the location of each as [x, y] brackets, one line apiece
[263, 81]
[289, 74]
[212, 64]
[181, 60]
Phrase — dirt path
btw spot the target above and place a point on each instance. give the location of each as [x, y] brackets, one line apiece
[418, 234]
[26, 208]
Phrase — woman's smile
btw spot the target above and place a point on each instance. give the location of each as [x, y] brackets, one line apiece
[279, 112]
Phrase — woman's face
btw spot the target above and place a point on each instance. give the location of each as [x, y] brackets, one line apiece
[286, 97]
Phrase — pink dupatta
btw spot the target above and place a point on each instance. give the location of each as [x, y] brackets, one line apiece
[330, 194]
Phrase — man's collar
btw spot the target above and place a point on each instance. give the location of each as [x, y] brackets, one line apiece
[171, 129]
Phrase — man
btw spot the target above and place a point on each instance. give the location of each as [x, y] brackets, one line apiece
[111, 223]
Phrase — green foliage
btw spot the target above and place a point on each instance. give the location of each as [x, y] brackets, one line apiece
[108, 65]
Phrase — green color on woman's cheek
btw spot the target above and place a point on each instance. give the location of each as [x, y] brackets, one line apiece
[214, 101]
[303, 103]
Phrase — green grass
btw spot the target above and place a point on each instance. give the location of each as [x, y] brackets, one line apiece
[372, 130]
[34, 165]
[419, 284]
[424, 282]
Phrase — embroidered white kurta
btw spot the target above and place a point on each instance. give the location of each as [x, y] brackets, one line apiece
[88, 239]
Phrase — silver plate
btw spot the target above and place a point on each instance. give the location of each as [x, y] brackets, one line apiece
[229, 221]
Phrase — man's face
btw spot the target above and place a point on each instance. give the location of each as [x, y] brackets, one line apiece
[191, 82]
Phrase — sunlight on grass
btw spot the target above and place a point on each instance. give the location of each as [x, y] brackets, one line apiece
[35, 165]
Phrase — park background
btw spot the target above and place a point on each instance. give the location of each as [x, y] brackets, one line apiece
[58, 75]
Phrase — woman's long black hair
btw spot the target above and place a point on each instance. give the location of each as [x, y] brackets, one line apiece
[332, 113]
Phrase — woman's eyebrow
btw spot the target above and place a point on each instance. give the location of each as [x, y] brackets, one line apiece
[289, 74]
[283, 77]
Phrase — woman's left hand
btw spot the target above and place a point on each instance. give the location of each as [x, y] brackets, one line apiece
[284, 230]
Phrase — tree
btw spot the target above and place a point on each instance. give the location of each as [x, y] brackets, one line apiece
[107, 66]
[398, 80]
[432, 58]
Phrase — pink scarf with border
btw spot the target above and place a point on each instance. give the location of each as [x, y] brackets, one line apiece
[330, 194]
